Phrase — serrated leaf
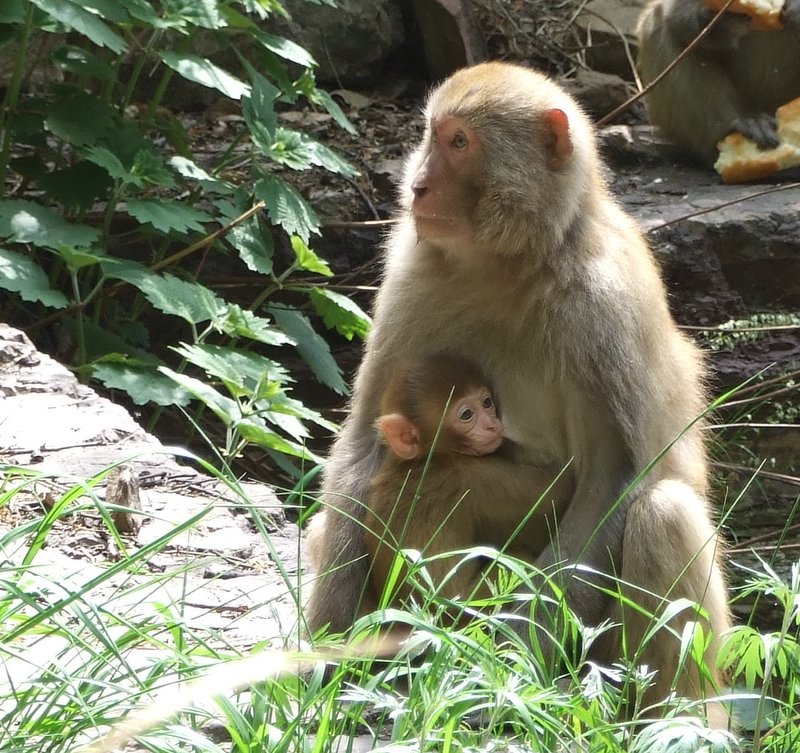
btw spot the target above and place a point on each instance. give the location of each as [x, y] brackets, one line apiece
[143, 383]
[308, 260]
[168, 214]
[25, 222]
[286, 207]
[149, 167]
[190, 301]
[340, 313]
[252, 241]
[20, 274]
[238, 322]
[313, 349]
[241, 368]
[80, 119]
[204, 72]
[299, 151]
[109, 161]
[81, 20]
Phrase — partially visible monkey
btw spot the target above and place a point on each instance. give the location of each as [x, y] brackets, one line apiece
[734, 80]
[511, 252]
[448, 482]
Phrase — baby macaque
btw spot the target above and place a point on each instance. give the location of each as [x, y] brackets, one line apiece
[448, 480]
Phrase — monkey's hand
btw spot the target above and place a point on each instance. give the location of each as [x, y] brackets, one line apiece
[760, 128]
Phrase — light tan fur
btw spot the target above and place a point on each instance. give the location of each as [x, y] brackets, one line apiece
[549, 286]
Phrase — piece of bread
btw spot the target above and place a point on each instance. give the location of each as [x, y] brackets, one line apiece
[740, 160]
[766, 14]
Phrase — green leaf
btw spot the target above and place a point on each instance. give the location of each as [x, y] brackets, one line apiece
[254, 430]
[203, 13]
[204, 72]
[189, 300]
[143, 11]
[142, 382]
[26, 222]
[285, 49]
[20, 274]
[109, 161]
[110, 10]
[13, 12]
[78, 258]
[149, 167]
[298, 150]
[286, 207]
[81, 62]
[258, 110]
[308, 260]
[168, 214]
[340, 313]
[243, 371]
[192, 171]
[80, 119]
[81, 20]
[78, 186]
[322, 98]
[238, 322]
[251, 240]
[313, 349]
[224, 408]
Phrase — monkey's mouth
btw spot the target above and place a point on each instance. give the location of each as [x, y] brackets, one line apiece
[490, 446]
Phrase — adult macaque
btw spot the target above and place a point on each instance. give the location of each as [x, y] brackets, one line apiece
[734, 80]
[512, 253]
[448, 481]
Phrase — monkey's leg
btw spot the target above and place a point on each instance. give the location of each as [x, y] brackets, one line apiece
[671, 551]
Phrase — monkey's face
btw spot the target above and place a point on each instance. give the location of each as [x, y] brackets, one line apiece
[473, 423]
[446, 186]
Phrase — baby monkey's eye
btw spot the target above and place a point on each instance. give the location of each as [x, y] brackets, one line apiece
[488, 403]
[459, 140]
[466, 414]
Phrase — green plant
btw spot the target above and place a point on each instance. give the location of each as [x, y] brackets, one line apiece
[110, 200]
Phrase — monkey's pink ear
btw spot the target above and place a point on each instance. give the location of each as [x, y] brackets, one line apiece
[400, 434]
[559, 140]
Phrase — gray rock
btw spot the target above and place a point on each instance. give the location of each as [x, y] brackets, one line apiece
[350, 42]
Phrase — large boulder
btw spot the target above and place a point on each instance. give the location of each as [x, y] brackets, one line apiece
[350, 42]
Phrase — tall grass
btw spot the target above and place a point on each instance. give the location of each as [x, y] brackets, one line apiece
[84, 649]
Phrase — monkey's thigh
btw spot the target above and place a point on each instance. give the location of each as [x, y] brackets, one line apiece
[670, 552]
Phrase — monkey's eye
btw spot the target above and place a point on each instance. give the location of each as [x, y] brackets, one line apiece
[466, 414]
[459, 141]
[488, 403]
